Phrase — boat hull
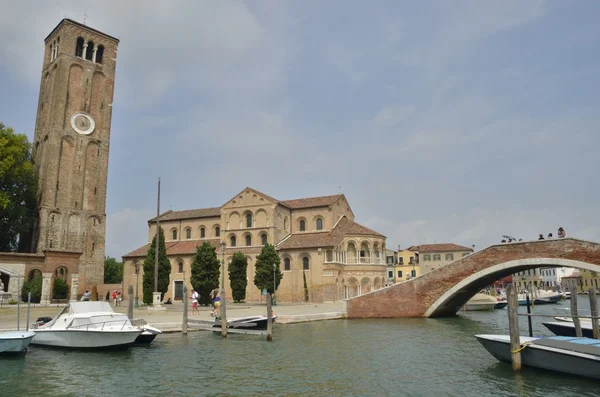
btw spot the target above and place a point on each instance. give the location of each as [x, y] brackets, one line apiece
[501, 305]
[148, 335]
[86, 339]
[15, 342]
[480, 306]
[545, 301]
[544, 358]
[568, 329]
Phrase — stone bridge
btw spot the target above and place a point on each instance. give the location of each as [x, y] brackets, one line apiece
[443, 291]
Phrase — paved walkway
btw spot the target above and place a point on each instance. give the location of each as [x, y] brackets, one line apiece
[171, 318]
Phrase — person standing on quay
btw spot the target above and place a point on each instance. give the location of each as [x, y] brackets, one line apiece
[195, 298]
[114, 296]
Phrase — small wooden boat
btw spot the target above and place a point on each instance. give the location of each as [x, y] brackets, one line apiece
[481, 302]
[575, 356]
[15, 342]
[250, 322]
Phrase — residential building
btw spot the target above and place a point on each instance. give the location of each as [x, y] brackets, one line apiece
[315, 236]
[433, 256]
[552, 276]
[407, 266]
[527, 279]
[391, 258]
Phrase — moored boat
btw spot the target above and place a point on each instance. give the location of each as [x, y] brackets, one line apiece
[545, 297]
[575, 356]
[15, 342]
[250, 322]
[481, 302]
[148, 334]
[565, 328]
[87, 325]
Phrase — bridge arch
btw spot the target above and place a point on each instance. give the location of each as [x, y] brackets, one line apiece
[454, 298]
[442, 291]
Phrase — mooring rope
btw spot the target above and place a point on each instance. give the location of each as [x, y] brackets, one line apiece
[523, 346]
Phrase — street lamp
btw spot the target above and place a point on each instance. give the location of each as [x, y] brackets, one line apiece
[137, 282]
[223, 299]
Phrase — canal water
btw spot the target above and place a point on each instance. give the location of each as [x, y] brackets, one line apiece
[391, 357]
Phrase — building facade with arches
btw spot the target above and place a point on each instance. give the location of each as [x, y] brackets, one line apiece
[315, 237]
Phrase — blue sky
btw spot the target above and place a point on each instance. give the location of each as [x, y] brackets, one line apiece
[441, 121]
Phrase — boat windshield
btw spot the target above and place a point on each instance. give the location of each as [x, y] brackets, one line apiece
[87, 307]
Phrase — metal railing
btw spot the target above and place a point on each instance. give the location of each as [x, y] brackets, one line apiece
[95, 325]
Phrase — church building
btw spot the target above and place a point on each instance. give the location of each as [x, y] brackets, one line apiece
[315, 236]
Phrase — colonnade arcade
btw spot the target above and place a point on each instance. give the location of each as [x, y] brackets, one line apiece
[355, 252]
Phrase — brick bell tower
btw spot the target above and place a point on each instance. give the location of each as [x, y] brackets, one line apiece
[71, 143]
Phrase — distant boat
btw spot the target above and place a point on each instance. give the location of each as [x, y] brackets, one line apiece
[15, 342]
[481, 302]
[575, 356]
[545, 297]
[501, 305]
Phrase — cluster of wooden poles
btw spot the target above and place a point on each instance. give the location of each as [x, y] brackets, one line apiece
[513, 320]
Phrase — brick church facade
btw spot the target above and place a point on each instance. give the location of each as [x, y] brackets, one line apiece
[316, 236]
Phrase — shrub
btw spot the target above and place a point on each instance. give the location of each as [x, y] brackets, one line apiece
[35, 287]
[60, 289]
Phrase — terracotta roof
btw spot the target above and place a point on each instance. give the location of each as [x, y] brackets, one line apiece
[446, 247]
[342, 229]
[310, 202]
[175, 248]
[188, 214]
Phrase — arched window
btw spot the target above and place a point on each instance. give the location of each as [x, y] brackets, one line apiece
[248, 220]
[79, 47]
[232, 241]
[319, 224]
[180, 267]
[217, 231]
[263, 239]
[202, 232]
[174, 234]
[99, 54]
[302, 225]
[188, 234]
[305, 263]
[89, 51]
[248, 240]
[286, 264]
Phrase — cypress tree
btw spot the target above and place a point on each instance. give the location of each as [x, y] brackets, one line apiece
[305, 286]
[237, 276]
[164, 269]
[263, 277]
[206, 270]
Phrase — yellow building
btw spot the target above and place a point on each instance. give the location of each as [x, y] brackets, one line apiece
[432, 256]
[583, 279]
[529, 279]
[407, 266]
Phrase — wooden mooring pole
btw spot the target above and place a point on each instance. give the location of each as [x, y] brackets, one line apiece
[269, 317]
[574, 314]
[594, 310]
[184, 323]
[130, 302]
[513, 327]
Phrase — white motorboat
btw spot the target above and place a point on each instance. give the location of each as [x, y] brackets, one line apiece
[15, 342]
[148, 334]
[87, 325]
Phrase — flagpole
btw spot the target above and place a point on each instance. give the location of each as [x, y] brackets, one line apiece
[157, 245]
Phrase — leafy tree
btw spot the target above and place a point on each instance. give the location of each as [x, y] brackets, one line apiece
[60, 290]
[17, 191]
[263, 277]
[113, 271]
[205, 272]
[164, 269]
[238, 276]
[35, 287]
[305, 286]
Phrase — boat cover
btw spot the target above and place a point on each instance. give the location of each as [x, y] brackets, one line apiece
[579, 345]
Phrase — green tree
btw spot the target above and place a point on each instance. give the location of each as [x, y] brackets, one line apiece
[164, 269]
[205, 272]
[238, 276]
[113, 271]
[17, 191]
[263, 277]
[35, 287]
[305, 286]
[60, 290]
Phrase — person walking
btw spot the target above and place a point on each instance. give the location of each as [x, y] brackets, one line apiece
[195, 297]
[214, 295]
[114, 297]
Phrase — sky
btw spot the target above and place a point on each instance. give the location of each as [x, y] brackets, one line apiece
[440, 121]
